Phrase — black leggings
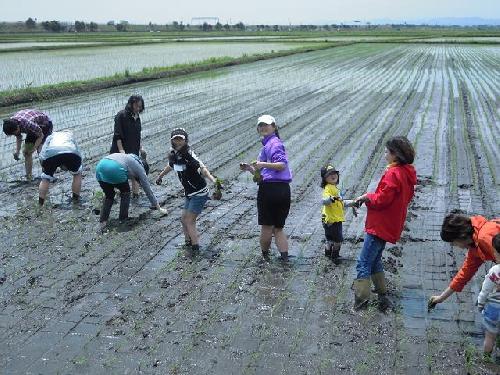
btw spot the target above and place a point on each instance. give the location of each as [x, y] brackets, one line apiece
[109, 189]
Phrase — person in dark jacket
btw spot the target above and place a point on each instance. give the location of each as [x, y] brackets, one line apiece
[192, 173]
[127, 132]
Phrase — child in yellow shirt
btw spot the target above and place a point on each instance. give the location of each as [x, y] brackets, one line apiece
[332, 212]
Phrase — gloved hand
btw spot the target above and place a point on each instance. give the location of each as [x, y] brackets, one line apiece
[480, 307]
[16, 156]
[159, 180]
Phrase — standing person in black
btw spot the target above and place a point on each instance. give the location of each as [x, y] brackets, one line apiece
[127, 132]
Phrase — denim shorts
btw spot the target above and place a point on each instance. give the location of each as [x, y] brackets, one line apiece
[195, 203]
[491, 315]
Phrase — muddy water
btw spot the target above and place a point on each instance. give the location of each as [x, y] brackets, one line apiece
[133, 300]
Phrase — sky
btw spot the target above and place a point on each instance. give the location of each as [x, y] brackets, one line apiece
[249, 12]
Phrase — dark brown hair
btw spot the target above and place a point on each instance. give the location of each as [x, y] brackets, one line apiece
[402, 149]
[135, 99]
[10, 126]
[496, 242]
[456, 227]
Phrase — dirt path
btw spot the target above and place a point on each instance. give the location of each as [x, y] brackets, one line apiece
[133, 301]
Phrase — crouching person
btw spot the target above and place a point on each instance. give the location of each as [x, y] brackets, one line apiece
[113, 172]
[60, 150]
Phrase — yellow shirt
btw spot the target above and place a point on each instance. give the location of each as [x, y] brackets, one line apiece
[334, 212]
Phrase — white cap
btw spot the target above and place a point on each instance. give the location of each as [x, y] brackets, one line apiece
[266, 119]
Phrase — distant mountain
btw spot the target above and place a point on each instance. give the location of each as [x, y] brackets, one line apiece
[444, 21]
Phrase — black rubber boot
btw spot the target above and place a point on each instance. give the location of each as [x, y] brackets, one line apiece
[336, 254]
[124, 205]
[106, 209]
[328, 249]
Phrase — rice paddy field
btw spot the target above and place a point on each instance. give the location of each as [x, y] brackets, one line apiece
[37, 68]
[133, 300]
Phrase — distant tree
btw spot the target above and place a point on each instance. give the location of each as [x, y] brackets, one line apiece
[227, 27]
[218, 26]
[206, 27]
[93, 26]
[181, 26]
[79, 26]
[122, 26]
[30, 23]
[110, 23]
[53, 26]
[276, 28]
[240, 26]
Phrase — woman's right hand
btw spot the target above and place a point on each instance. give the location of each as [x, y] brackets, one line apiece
[246, 167]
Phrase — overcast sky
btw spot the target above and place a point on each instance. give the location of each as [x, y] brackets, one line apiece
[250, 11]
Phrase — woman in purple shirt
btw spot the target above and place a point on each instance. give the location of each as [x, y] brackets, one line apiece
[273, 175]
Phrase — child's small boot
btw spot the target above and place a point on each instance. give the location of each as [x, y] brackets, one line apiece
[381, 289]
[328, 249]
[361, 293]
[336, 253]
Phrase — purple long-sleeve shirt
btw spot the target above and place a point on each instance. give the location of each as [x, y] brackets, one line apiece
[274, 152]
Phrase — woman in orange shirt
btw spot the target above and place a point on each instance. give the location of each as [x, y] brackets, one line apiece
[474, 234]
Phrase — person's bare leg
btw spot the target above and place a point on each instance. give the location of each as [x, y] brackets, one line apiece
[190, 221]
[28, 165]
[266, 236]
[187, 239]
[76, 186]
[281, 240]
[489, 342]
[43, 190]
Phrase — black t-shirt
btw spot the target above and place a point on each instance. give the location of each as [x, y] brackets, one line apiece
[187, 165]
[128, 130]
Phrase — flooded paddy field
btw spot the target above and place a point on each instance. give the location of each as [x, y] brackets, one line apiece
[133, 300]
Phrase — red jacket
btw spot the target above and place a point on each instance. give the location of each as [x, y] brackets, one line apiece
[480, 252]
[388, 205]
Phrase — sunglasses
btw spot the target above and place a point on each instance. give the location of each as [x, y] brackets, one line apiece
[262, 124]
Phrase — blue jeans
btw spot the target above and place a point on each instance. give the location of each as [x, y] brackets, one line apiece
[370, 258]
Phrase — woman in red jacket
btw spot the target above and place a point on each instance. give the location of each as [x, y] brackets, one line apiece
[385, 219]
[474, 234]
